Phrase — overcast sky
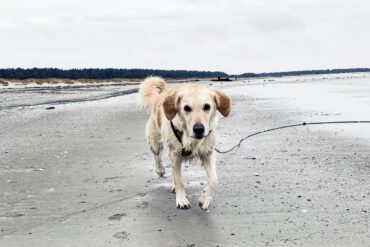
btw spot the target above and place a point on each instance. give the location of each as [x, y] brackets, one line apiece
[233, 36]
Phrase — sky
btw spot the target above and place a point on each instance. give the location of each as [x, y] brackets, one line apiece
[234, 36]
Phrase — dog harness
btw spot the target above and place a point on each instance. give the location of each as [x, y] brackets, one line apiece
[176, 132]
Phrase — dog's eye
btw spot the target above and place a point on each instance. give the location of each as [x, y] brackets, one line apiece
[187, 108]
[206, 107]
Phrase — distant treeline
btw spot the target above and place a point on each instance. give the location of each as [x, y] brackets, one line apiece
[42, 73]
[304, 72]
[103, 73]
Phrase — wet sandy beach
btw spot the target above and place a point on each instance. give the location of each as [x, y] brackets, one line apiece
[81, 174]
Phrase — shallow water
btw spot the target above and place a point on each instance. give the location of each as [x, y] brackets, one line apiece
[337, 99]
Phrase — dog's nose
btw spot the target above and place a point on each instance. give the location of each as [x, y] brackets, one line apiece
[198, 129]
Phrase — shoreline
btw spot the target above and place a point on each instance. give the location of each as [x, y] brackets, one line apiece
[63, 82]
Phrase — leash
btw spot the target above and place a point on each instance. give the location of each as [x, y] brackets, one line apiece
[237, 146]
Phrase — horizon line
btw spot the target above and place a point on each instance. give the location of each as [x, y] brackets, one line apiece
[335, 70]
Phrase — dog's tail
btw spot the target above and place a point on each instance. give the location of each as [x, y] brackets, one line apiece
[149, 89]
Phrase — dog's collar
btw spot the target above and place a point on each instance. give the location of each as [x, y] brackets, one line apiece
[176, 132]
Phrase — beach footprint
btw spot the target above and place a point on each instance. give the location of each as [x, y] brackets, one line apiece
[121, 235]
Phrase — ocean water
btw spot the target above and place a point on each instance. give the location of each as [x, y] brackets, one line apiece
[335, 97]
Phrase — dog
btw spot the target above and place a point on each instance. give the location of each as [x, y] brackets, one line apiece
[185, 119]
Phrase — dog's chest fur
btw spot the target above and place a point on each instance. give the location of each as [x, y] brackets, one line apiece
[198, 148]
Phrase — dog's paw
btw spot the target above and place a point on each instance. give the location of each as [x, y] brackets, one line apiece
[160, 171]
[204, 202]
[182, 202]
[173, 189]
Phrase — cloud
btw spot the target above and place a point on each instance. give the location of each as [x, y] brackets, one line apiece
[230, 35]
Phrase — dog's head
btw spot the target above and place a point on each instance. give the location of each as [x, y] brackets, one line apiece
[196, 106]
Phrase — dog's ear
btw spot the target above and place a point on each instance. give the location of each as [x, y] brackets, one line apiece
[170, 104]
[223, 102]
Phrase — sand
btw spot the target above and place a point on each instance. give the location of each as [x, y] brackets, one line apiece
[81, 174]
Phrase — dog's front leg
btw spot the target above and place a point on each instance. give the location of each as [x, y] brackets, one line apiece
[209, 164]
[181, 200]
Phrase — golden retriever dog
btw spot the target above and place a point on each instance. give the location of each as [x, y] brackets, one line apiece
[184, 119]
